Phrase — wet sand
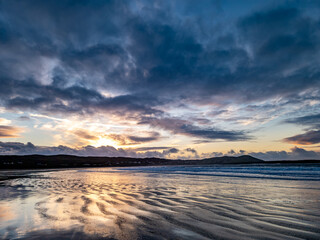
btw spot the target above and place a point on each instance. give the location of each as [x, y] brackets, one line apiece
[234, 202]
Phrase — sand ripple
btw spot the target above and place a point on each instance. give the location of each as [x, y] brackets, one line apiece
[131, 205]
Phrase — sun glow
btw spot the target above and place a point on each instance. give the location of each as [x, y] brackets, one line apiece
[103, 141]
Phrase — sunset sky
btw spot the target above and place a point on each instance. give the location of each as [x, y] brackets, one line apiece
[174, 79]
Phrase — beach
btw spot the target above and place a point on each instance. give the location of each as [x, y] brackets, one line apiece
[164, 202]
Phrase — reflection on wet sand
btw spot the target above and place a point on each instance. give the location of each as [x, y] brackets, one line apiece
[6, 212]
[111, 204]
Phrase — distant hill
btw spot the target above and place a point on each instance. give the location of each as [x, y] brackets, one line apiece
[70, 161]
[232, 160]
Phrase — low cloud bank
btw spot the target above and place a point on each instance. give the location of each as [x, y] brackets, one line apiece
[17, 148]
[12, 148]
[296, 153]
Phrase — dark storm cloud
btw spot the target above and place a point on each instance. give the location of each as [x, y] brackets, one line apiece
[31, 95]
[63, 23]
[176, 61]
[62, 56]
[278, 34]
[164, 55]
[284, 44]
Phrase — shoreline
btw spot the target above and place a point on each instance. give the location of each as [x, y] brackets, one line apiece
[174, 163]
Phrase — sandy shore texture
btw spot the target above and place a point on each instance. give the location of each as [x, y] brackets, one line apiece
[234, 202]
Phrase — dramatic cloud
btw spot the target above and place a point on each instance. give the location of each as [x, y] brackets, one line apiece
[231, 152]
[147, 70]
[150, 148]
[295, 154]
[86, 135]
[191, 150]
[152, 137]
[308, 138]
[30, 95]
[167, 57]
[132, 140]
[9, 148]
[309, 120]
[9, 131]
[184, 127]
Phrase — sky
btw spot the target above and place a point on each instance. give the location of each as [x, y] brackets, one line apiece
[171, 79]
